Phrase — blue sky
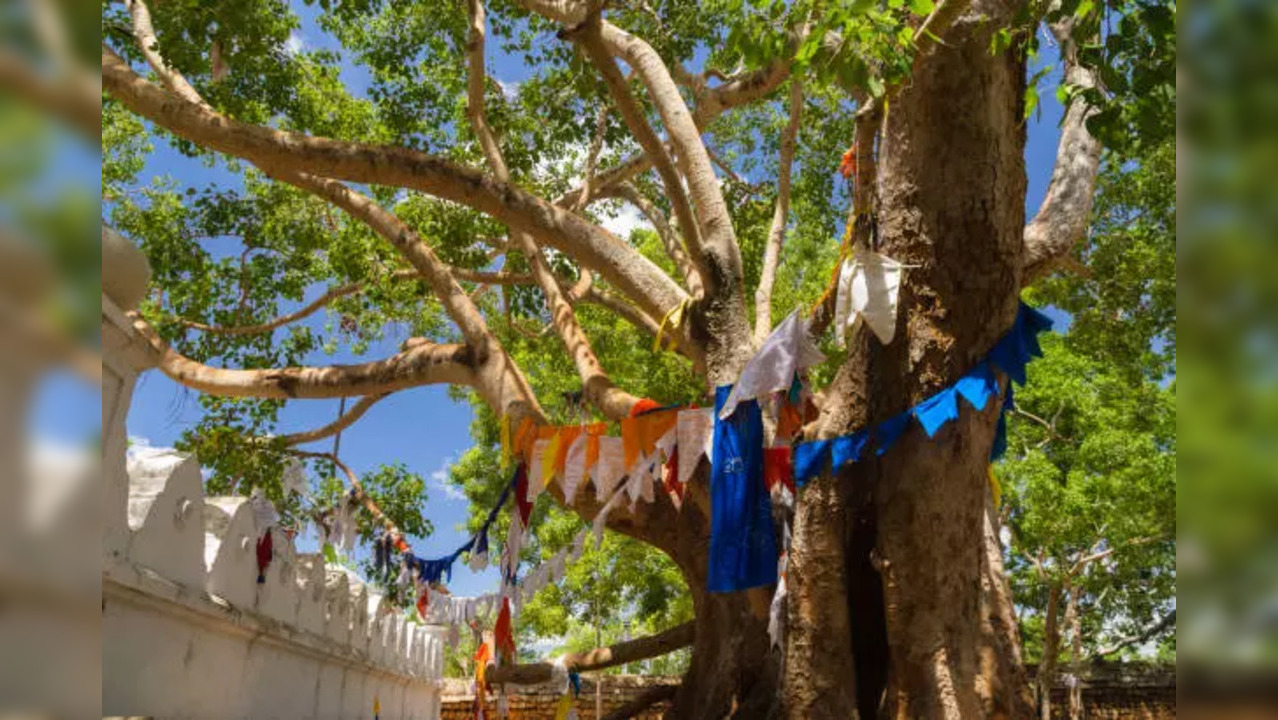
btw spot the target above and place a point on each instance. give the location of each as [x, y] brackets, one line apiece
[422, 427]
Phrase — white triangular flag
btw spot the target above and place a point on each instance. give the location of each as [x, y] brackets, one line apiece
[611, 467]
[695, 435]
[574, 468]
[536, 479]
[788, 350]
[869, 284]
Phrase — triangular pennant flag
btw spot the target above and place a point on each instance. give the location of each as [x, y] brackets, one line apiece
[544, 453]
[566, 437]
[479, 553]
[786, 352]
[937, 410]
[978, 386]
[693, 434]
[847, 449]
[521, 493]
[574, 468]
[610, 468]
[777, 468]
[889, 431]
[809, 460]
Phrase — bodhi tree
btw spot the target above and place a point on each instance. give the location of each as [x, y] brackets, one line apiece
[421, 196]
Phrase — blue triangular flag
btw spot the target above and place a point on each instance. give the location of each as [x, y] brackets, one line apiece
[937, 410]
[809, 460]
[889, 431]
[978, 386]
[847, 449]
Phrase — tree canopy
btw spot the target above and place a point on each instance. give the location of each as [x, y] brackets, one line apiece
[387, 185]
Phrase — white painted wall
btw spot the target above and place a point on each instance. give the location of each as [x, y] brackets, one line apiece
[186, 630]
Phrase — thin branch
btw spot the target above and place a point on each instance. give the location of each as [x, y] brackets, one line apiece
[349, 418]
[1167, 621]
[776, 233]
[674, 247]
[592, 158]
[733, 174]
[360, 494]
[309, 309]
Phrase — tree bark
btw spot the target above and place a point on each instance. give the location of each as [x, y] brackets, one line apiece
[949, 192]
[1051, 648]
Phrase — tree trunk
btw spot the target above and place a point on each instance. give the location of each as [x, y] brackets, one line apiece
[1051, 648]
[950, 200]
[1075, 625]
[733, 670]
[1005, 690]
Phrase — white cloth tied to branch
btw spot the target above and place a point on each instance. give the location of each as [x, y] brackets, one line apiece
[869, 284]
[788, 350]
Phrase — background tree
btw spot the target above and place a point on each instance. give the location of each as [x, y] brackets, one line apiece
[1090, 473]
[440, 208]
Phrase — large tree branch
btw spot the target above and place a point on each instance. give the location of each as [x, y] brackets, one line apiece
[350, 417]
[279, 152]
[424, 364]
[739, 90]
[776, 233]
[721, 267]
[663, 643]
[669, 239]
[597, 387]
[76, 102]
[1063, 217]
[632, 113]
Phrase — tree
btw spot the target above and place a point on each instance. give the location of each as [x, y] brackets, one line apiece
[468, 215]
[1091, 472]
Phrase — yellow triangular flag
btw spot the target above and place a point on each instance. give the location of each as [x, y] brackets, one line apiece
[548, 460]
[996, 491]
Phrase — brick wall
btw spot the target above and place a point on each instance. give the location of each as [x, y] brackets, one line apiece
[1110, 692]
[538, 702]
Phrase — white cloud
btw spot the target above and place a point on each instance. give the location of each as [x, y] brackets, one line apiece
[439, 480]
[508, 89]
[294, 44]
[624, 219]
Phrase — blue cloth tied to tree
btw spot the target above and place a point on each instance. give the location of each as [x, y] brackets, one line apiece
[743, 548]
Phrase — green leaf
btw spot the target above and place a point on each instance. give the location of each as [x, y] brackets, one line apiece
[922, 7]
